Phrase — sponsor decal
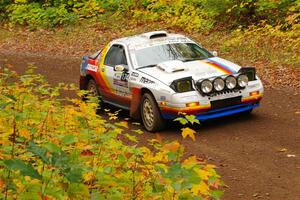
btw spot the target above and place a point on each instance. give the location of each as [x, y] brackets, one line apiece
[120, 83]
[146, 81]
[132, 79]
[134, 74]
[121, 79]
[93, 68]
[125, 76]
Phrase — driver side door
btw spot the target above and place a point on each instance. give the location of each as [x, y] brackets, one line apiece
[116, 73]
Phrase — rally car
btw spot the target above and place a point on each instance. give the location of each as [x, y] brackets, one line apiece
[159, 76]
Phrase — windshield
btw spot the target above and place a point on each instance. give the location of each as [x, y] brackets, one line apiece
[151, 56]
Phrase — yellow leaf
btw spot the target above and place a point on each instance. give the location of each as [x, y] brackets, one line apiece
[87, 177]
[123, 124]
[24, 133]
[190, 160]
[201, 188]
[188, 132]
[203, 174]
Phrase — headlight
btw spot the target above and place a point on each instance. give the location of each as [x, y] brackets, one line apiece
[219, 84]
[206, 86]
[230, 82]
[242, 80]
[183, 85]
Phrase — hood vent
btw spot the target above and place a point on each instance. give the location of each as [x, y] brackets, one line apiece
[172, 66]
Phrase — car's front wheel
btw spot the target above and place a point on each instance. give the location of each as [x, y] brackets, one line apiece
[150, 113]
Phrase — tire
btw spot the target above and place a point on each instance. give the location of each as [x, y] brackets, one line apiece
[93, 91]
[150, 114]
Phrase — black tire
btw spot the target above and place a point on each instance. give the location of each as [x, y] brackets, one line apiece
[150, 114]
[93, 91]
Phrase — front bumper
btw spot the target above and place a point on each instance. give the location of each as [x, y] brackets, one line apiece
[216, 113]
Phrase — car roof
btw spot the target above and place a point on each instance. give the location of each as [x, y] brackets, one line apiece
[152, 38]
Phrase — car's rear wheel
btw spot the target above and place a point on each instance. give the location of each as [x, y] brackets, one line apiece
[93, 91]
[150, 113]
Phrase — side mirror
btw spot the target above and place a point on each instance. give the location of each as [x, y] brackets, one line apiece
[214, 53]
[121, 68]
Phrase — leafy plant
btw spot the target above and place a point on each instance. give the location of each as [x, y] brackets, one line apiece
[53, 148]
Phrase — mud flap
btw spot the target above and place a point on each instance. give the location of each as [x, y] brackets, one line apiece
[135, 103]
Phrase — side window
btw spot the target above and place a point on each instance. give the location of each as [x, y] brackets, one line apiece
[115, 56]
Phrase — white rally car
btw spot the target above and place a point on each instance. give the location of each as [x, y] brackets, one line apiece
[158, 75]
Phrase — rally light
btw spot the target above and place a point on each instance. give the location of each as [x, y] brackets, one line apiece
[242, 80]
[219, 84]
[231, 82]
[206, 86]
[193, 104]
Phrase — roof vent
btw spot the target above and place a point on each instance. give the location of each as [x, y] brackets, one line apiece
[155, 34]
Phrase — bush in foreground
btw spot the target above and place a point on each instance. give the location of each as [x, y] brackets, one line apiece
[61, 149]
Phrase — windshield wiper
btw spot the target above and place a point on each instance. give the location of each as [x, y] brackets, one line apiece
[146, 66]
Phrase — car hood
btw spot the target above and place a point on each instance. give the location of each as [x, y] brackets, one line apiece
[199, 69]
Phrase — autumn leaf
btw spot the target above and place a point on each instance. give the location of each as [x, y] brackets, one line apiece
[190, 160]
[181, 120]
[201, 188]
[188, 132]
[192, 119]
[173, 146]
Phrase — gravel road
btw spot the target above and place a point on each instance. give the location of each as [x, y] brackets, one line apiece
[257, 156]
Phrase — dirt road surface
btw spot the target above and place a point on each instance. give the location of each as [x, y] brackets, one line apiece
[257, 156]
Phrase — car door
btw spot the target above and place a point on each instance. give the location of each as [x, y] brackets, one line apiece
[117, 72]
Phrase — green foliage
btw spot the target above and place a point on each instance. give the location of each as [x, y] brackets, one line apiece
[34, 15]
[189, 15]
[270, 43]
[53, 148]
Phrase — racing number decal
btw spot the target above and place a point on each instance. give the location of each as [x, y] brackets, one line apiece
[121, 79]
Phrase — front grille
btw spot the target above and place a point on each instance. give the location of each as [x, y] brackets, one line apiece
[225, 102]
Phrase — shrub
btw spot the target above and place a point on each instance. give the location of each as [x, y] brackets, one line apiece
[51, 149]
[189, 15]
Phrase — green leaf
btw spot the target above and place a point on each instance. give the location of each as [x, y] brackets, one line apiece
[192, 119]
[217, 194]
[41, 152]
[74, 175]
[69, 139]
[182, 120]
[176, 186]
[172, 156]
[25, 169]
[52, 148]
[107, 169]
[121, 158]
